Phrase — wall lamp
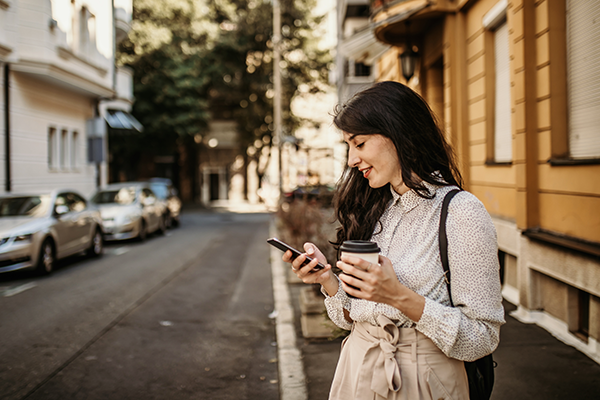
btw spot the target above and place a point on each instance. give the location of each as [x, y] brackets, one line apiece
[408, 58]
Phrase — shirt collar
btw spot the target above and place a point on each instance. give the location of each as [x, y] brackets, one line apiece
[411, 199]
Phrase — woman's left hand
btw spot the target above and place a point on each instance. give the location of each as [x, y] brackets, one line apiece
[379, 283]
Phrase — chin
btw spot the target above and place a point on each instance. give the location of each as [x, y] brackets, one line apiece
[376, 185]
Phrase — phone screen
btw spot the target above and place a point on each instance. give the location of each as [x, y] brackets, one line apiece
[295, 253]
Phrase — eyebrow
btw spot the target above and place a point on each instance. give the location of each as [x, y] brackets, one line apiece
[351, 137]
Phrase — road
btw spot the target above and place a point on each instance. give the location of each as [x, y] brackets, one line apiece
[184, 316]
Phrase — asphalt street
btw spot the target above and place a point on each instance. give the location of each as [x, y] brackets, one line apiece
[184, 316]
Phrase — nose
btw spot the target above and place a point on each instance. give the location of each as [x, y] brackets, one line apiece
[353, 159]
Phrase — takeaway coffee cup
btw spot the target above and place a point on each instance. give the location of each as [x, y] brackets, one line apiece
[368, 251]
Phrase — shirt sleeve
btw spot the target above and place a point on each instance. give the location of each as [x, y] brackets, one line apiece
[335, 306]
[470, 329]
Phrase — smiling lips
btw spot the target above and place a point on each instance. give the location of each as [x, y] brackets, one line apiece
[366, 171]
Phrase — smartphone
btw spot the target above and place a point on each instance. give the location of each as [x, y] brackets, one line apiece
[295, 253]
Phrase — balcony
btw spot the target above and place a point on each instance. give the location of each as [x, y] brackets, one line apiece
[388, 17]
[123, 11]
[124, 84]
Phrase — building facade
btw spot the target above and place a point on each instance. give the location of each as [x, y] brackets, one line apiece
[515, 84]
[59, 88]
[358, 50]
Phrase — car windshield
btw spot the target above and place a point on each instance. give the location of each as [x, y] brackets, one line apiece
[160, 190]
[31, 206]
[119, 196]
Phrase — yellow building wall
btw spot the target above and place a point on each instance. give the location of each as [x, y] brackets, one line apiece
[388, 67]
[569, 194]
[494, 185]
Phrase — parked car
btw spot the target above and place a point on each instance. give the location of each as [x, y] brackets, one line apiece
[38, 229]
[322, 194]
[130, 210]
[164, 190]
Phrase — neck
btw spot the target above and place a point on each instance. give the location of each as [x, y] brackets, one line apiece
[400, 189]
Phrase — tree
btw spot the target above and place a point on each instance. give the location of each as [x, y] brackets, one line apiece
[194, 60]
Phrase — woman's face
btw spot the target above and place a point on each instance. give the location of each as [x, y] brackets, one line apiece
[376, 158]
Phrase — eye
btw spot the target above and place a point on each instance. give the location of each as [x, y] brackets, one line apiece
[358, 146]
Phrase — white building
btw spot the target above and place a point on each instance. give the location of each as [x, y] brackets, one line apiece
[358, 50]
[58, 74]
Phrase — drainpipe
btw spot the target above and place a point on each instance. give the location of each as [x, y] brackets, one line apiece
[7, 126]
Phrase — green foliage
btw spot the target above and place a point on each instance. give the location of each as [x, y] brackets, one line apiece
[194, 60]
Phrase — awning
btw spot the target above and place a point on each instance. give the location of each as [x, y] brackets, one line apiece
[118, 119]
[399, 12]
[363, 47]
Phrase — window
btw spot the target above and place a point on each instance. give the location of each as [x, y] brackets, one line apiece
[75, 202]
[361, 69]
[583, 78]
[51, 148]
[74, 150]
[502, 109]
[64, 148]
[357, 71]
[500, 126]
[578, 312]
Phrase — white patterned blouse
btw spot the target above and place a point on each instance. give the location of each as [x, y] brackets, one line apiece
[408, 236]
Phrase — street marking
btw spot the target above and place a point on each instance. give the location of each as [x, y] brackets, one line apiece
[19, 289]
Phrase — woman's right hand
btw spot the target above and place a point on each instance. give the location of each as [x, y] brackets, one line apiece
[306, 273]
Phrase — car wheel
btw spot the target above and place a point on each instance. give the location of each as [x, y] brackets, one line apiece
[96, 245]
[162, 225]
[168, 221]
[143, 233]
[47, 257]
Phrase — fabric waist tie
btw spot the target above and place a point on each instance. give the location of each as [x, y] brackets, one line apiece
[380, 364]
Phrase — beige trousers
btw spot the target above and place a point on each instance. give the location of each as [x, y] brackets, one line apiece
[392, 363]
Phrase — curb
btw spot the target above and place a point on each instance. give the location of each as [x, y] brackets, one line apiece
[292, 382]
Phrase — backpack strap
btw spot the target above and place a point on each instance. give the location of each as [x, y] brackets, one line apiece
[443, 239]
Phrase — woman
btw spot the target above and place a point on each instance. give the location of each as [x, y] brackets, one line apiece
[407, 340]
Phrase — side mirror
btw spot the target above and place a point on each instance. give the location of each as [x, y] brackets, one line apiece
[61, 209]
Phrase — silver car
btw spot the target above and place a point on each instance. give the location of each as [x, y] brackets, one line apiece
[38, 229]
[130, 210]
[164, 190]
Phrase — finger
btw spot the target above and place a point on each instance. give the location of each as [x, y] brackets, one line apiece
[314, 252]
[287, 256]
[309, 248]
[352, 269]
[356, 262]
[307, 268]
[298, 261]
[349, 288]
[351, 280]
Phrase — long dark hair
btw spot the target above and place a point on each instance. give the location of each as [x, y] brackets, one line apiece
[395, 111]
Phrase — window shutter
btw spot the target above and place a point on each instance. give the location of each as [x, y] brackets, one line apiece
[583, 77]
[502, 117]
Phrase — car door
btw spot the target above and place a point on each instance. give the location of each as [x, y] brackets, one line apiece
[63, 226]
[82, 221]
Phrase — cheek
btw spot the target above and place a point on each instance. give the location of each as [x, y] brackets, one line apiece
[391, 160]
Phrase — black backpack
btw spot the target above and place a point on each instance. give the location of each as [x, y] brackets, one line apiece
[480, 372]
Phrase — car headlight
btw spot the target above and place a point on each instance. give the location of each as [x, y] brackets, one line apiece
[23, 238]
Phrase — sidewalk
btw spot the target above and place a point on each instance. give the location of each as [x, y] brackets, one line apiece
[532, 364]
